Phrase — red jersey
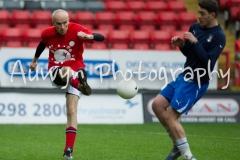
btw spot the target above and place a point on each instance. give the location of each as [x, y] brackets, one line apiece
[67, 49]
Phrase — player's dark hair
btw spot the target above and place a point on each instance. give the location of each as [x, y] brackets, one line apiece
[210, 6]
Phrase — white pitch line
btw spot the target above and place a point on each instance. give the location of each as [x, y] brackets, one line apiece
[159, 133]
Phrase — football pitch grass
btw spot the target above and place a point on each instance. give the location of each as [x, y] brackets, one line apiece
[117, 142]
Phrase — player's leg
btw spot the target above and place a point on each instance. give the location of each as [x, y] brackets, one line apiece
[186, 95]
[71, 127]
[159, 106]
[72, 97]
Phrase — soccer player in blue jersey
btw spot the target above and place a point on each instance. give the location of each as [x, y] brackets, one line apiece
[201, 45]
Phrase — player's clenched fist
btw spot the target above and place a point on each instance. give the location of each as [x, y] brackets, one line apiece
[83, 35]
[33, 66]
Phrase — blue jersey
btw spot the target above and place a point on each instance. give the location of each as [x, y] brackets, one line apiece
[211, 42]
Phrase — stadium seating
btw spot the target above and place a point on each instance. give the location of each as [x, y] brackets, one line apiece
[139, 37]
[115, 6]
[176, 6]
[20, 17]
[167, 18]
[125, 17]
[12, 34]
[32, 34]
[51, 5]
[156, 6]
[135, 6]
[41, 17]
[119, 36]
[5, 17]
[12, 5]
[127, 24]
[98, 45]
[13, 44]
[75, 6]
[105, 18]
[120, 46]
[94, 6]
[84, 17]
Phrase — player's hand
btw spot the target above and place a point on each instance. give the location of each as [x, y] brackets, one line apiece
[84, 36]
[33, 66]
[189, 36]
[177, 41]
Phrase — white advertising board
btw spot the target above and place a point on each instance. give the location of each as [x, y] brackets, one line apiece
[31, 108]
[150, 69]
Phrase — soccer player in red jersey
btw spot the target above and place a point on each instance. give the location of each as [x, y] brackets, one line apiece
[65, 43]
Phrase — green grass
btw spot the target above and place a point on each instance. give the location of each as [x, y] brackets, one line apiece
[117, 142]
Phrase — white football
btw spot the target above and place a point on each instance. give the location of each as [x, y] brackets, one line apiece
[127, 89]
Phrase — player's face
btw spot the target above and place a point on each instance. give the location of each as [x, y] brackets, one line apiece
[61, 21]
[205, 18]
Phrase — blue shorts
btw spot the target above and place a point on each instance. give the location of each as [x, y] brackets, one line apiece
[182, 95]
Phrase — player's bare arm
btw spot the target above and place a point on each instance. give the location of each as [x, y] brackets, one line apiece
[94, 36]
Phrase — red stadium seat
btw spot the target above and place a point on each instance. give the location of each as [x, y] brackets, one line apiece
[185, 28]
[12, 34]
[178, 33]
[156, 6]
[105, 18]
[125, 17]
[23, 27]
[167, 18]
[186, 18]
[32, 44]
[141, 46]
[99, 45]
[168, 28]
[114, 6]
[119, 36]
[32, 34]
[162, 47]
[160, 36]
[176, 6]
[237, 46]
[42, 26]
[41, 17]
[147, 27]
[20, 17]
[234, 12]
[88, 26]
[146, 17]
[84, 17]
[126, 27]
[2, 29]
[223, 4]
[5, 17]
[13, 44]
[140, 37]
[233, 3]
[106, 27]
[120, 46]
[135, 6]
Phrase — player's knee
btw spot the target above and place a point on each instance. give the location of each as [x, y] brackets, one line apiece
[158, 106]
